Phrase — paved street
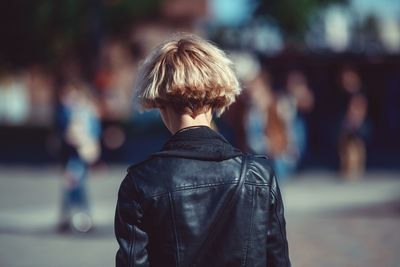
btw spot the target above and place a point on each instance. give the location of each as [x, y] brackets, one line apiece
[330, 223]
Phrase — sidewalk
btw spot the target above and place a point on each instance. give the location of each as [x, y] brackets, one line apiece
[330, 223]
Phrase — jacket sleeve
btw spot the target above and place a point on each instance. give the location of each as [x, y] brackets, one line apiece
[131, 236]
[277, 245]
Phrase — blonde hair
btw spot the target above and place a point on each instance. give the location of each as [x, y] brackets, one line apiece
[188, 73]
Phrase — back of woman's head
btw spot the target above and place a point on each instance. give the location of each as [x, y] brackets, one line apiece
[189, 74]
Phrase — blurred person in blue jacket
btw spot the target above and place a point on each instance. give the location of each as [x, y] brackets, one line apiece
[274, 122]
[79, 125]
[301, 98]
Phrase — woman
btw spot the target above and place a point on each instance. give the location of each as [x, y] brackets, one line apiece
[199, 201]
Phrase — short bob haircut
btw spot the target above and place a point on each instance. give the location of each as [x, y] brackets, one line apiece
[189, 74]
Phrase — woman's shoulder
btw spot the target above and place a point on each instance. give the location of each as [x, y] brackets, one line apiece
[138, 165]
[261, 167]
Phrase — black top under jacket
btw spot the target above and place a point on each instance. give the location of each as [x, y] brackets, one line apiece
[200, 202]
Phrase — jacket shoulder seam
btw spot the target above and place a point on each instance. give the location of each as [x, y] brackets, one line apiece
[190, 187]
[137, 164]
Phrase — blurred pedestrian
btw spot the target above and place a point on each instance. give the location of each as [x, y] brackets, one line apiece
[271, 124]
[199, 201]
[78, 122]
[261, 97]
[352, 149]
[302, 101]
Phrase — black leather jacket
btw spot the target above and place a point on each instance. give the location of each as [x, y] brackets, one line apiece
[200, 202]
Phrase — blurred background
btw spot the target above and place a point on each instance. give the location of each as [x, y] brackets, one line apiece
[321, 95]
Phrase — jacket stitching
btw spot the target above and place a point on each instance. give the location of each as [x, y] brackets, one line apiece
[248, 241]
[190, 187]
[285, 253]
[174, 228]
[257, 184]
[132, 246]
[133, 233]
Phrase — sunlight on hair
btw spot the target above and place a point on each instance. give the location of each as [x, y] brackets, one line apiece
[188, 73]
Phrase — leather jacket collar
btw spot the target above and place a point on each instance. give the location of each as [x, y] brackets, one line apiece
[198, 142]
